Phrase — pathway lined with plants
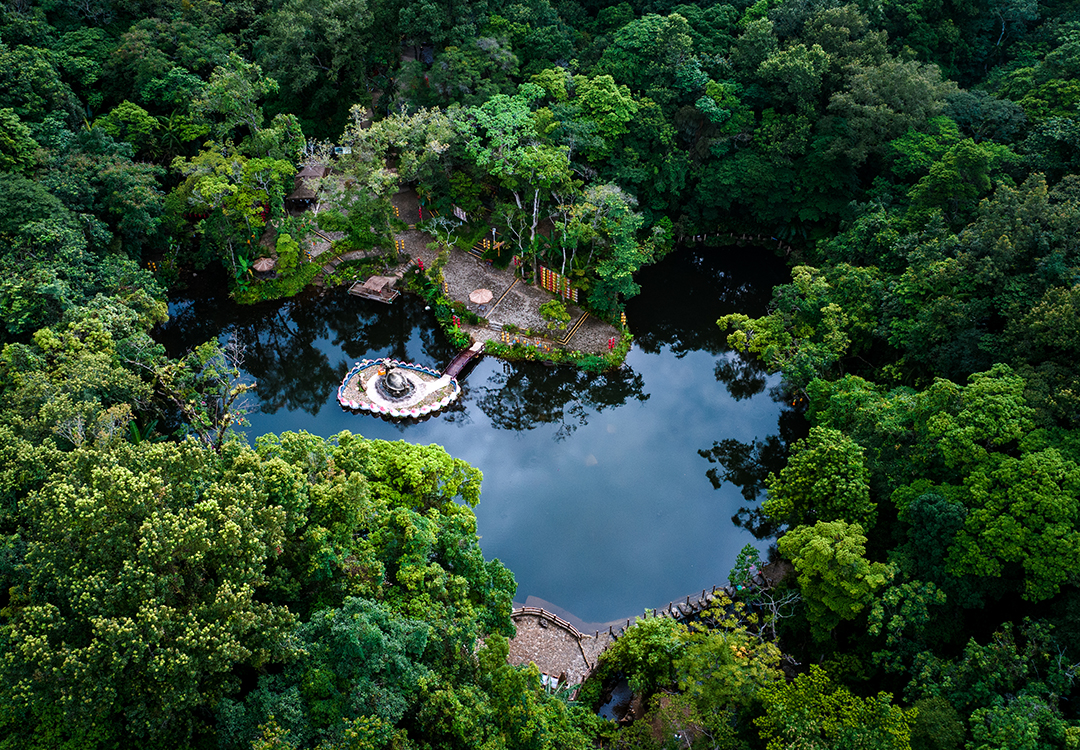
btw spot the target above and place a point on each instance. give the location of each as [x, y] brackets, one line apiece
[510, 325]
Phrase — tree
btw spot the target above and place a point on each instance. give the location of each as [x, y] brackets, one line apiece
[239, 193]
[53, 259]
[836, 580]
[130, 123]
[231, 99]
[646, 653]
[321, 53]
[809, 330]
[824, 480]
[937, 726]
[140, 598]
[97, 175]
[554, 312]
[83, 381]
[207, 388]
[811, 712]
[500, 136]
[17, 147]
[615, 272]
[882, 102]
[506, 707]
[1008, 687]
[607, 105]
[958, 181]
[797, 71]
[725, 662]
[358, 662]
[653, 55]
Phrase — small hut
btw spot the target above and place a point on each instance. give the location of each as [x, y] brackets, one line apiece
[379, 288]
[306, 188]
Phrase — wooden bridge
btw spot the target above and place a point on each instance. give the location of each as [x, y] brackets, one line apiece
[463, 358]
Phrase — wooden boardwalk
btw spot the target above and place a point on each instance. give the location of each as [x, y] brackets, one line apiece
[457, 364]
[681, 610]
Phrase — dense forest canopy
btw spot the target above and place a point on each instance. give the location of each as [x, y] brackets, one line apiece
[166, 584]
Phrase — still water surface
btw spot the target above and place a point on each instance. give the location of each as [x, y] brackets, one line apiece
[594, 493]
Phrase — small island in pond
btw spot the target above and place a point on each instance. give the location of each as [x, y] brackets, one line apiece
[396, 389]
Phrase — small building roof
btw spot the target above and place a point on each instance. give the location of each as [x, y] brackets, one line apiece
[379, 283]
[302, 193]
[312, 171]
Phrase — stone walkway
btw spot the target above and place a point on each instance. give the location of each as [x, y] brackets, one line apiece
[516, 303]
[557, 648]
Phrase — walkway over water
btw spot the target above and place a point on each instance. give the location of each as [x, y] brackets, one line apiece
[463, 358]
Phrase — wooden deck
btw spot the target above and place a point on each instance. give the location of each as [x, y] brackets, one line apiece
[378, 288]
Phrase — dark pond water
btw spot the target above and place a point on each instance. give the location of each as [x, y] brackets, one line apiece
[594, 492]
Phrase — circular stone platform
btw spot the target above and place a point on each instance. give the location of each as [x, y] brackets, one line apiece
[428, 391]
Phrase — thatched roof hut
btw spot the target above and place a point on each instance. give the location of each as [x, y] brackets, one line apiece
[307, 183]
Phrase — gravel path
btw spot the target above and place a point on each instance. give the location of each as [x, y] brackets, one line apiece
[517, 303]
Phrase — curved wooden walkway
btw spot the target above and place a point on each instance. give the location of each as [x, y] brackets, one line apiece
[457, 364]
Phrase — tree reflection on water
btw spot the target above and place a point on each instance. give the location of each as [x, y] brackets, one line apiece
[299, 350]
[525, 395]
[681, 299]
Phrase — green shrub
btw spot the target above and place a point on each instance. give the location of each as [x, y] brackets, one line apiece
[282, 287]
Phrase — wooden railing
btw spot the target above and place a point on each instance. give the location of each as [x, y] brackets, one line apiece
[541, 612]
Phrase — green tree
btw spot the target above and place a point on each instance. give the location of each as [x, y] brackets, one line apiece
[500, 136]
[882, 102]
[207, 388]
[725, 663]
[812, 712]
[140, 592]
[937, 726]
[321, 53]
[646, 653]
[824, 480]
[17, 148]
[815, 322]
[606, 104]
[836, 579]
[554, 312]
[797, 72]
[958, 181]
[82, 381]
[356, 662]
[239, 194]
[231, 99]
[130, 123]
[1008, 687]
[653, 55]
